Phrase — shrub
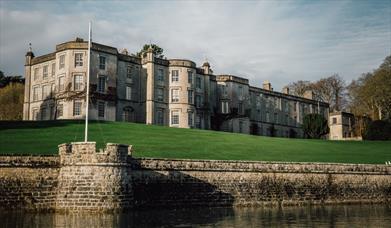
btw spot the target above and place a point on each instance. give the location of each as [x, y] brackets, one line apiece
[378, 130]
[315, 126]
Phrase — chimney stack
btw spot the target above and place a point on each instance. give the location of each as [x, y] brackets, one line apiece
[285, 90]
[267, 85]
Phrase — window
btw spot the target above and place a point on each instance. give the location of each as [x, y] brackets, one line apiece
[198, 83]
[128, 93]
[102, 84]
[45, 91]
[295, 106]
[175, 95]
[60, 110]
[267, 117]
[62, 62]
[51, 111]
[334, 120]
[198, 121]
[174, 76]
[78, 82]
[102, 62]
[45, 71]
[35, 114]
[53, 69]
[43, 113]
[190, 96]
[35, 93]
[126, 114]
[160, 75]
[240, 126]
[240, 92]
[190, 77]
[78, 59]
[160, 117]
[198, 101]
[224, 107]
[36, 71]
[174, 117]
[61, 83]
[76, 108]
[129, 71]
[275, 118]
[52, 90]
[224, 90]
[160, 94]
[190, 119]
[101, 109]
[240, 108]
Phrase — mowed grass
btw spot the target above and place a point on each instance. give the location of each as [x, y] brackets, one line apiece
[164, 142]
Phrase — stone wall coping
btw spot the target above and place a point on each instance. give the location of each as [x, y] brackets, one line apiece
[260, 162]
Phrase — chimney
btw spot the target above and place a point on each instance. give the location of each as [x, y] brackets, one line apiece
[309, 94]
[267, 85]
[285, 90]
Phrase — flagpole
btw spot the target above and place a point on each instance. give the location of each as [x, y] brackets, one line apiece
[88, 81]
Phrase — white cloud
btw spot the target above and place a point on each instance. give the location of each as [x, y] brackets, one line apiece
[276, 41]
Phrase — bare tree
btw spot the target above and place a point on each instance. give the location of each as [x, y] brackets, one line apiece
[299, 88]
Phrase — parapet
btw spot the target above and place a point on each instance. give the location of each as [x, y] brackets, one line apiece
[85, 152]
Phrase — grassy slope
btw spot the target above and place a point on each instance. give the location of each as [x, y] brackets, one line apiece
[164, 142]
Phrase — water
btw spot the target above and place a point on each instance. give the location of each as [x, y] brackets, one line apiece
[315, 216]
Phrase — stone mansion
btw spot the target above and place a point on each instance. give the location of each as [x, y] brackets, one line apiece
[153, 90]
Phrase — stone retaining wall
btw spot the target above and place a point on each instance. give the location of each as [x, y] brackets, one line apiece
[81, 179]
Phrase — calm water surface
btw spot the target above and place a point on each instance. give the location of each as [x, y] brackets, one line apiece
[315, 216]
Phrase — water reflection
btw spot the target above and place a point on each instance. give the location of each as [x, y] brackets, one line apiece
[315, 216]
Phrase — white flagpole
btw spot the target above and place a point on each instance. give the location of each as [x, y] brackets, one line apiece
[88, 81]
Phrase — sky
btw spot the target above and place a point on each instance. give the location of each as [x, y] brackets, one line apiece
[279, 41]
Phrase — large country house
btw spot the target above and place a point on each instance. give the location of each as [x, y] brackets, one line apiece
[153, 90]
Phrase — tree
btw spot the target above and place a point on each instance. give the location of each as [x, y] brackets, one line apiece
[299, 88]
[5, 80]
[11, 102]
[330, 90]
[378, 130]
[370, 95]
[158, 51]
[315, 126]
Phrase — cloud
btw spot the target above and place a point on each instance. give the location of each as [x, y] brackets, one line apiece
[276, 41]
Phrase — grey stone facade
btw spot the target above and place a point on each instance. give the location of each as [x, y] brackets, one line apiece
[152, 90]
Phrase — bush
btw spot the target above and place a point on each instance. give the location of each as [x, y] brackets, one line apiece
[315, 126]
[378, 130]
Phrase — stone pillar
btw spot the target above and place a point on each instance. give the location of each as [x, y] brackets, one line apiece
[94, 181]
[27, 85]
[150, 98]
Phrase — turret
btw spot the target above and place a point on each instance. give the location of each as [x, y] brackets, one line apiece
[206, 68]
[27, 75]
[148, 64]
[29, 57]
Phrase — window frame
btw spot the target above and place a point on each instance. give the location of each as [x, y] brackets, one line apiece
[101, 88]
[174, 95]
[77, 109]
[128, 93]
[78, 85]
[174, 117]
[102, 64]
[99, 105]
[175, 76]
[79, 61]
[61, 61]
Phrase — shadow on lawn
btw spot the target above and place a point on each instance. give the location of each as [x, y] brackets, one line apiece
[38, 124]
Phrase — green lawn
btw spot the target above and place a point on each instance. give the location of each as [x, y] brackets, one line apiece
[164, 142]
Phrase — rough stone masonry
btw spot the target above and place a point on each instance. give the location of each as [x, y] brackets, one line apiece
[82, 179]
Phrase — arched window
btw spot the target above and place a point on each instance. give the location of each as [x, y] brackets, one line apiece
[128, 114]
